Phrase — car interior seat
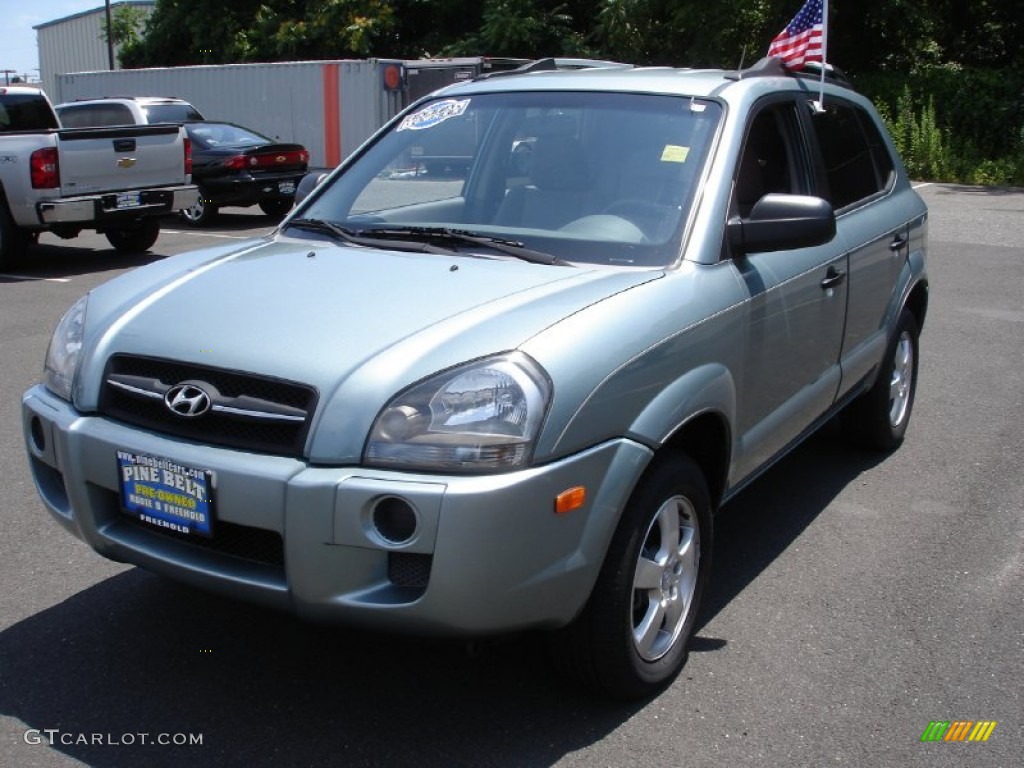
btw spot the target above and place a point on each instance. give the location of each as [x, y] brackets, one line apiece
[557, 190]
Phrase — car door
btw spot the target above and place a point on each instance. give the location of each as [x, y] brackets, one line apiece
[797, 305]
[859, 176]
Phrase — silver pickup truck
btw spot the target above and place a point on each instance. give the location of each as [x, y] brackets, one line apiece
[115, 180]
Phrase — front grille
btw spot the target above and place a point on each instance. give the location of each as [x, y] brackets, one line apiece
[241, 541]
[251, 412]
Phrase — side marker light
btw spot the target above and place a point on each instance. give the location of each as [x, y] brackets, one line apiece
[570, 499]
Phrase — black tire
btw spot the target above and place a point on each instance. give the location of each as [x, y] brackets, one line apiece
[135, 239]
[202, 213]
[14, 241]
[606, 647]
[276, 206]
[878, 419]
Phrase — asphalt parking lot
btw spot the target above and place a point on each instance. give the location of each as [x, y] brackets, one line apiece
[855, 598]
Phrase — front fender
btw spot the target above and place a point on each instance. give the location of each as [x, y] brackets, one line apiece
[707, 389]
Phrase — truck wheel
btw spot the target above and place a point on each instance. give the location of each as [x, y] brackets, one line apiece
[13, 241]
[631, 638]
[276, 206]
[201, 214]
[136, 239]
[878, 419]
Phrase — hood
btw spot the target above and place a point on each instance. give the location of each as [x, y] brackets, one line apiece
[335, 317]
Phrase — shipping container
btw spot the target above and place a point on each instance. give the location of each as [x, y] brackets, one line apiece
[330, 107]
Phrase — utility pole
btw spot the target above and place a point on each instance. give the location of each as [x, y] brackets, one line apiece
[110, 38]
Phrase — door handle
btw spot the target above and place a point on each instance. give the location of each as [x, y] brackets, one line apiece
[833, 278]
[897, 243]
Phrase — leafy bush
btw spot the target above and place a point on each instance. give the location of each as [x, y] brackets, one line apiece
[952, 124]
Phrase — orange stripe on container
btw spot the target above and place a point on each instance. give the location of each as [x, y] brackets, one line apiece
[332, 115]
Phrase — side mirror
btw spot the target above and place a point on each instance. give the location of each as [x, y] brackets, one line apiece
[308, 183]
[780, 222]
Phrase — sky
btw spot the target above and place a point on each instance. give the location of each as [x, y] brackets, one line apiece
[18, 50]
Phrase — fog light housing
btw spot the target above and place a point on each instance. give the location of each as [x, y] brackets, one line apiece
[38, 434]
[394, 520]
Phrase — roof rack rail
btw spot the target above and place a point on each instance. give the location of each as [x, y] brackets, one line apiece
[553, 64]
[773, 67]
[835, 74]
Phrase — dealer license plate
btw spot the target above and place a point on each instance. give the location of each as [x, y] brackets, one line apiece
[165, 494]
[286, 187]
[128, 200]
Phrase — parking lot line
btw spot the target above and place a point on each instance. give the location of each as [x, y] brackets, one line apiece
[210, 234]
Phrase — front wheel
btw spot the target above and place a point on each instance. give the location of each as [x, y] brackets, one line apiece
[878, 419]
[631, 639]
[135, 239]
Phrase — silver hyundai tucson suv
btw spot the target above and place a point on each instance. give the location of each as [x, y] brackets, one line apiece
[510, 394]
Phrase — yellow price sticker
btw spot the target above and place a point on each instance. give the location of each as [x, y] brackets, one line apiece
[673, 153]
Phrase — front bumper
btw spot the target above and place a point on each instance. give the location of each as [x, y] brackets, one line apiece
[108, 208]
[488, 555]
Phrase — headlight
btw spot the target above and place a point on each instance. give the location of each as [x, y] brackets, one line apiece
[480, 417]
[65, 350]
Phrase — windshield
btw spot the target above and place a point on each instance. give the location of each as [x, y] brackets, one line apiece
[601, 178]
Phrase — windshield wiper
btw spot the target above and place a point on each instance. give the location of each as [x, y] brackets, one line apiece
[448, 235]
[326, 227]
[366, 237]
[423, 239]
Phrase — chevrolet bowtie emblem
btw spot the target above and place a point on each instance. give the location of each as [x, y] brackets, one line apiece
[125, 162]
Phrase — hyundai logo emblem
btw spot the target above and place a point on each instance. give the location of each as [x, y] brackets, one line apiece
[187, 400]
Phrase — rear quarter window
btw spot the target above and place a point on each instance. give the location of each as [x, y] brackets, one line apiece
[171, 113]
[25, 112]
[856, 160]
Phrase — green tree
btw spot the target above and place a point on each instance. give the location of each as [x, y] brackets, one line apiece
[126, 23]
[523, 28]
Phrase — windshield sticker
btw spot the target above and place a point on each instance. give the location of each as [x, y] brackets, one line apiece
[434, 114]
[673, 153]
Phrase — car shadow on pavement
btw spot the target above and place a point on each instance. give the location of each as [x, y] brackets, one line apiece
[136, 654]
[760, 523]
[51, 259]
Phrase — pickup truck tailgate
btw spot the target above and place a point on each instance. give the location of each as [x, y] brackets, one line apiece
[120, 158]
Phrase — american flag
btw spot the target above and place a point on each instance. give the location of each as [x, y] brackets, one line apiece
[801, 40]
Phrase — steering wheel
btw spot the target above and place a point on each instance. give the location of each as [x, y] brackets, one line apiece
[649, 217]
[605, 226]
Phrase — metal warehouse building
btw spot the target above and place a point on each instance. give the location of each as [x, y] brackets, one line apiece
[77, 43]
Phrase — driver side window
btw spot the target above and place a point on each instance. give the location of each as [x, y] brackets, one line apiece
[768, 162]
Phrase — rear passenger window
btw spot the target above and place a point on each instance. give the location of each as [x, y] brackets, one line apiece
[857, 161]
